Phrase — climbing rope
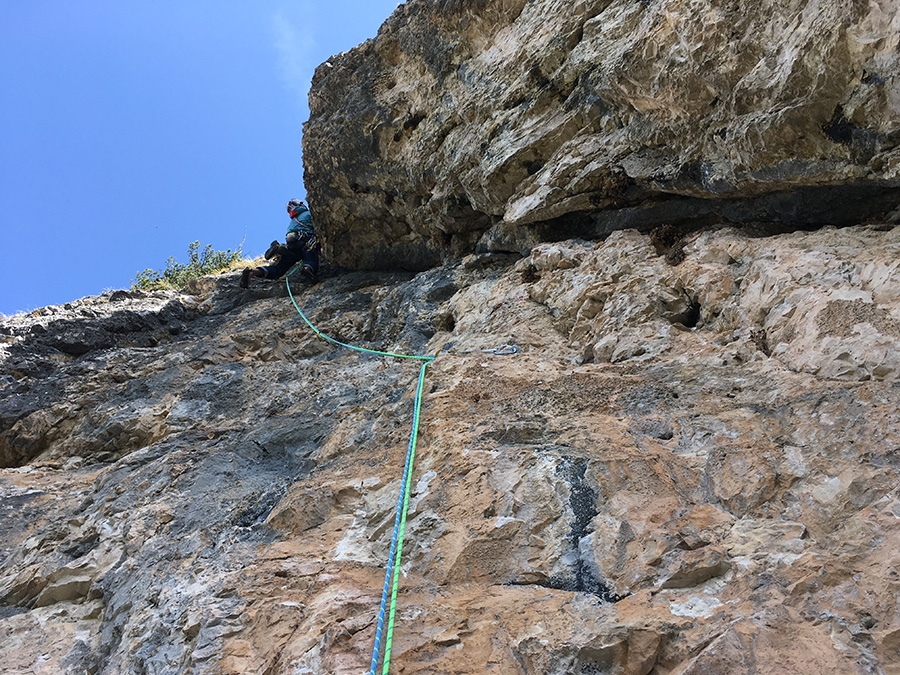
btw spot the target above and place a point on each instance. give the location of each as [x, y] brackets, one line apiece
[322, 335]
[392, 574]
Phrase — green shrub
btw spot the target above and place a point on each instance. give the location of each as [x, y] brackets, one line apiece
[176, 274]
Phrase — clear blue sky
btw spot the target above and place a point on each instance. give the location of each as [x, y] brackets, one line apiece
[130, 129]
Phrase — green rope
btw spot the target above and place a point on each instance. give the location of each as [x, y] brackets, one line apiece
[344, 344]
[406, 489]
[392, 574]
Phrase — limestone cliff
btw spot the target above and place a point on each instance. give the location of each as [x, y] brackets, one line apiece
[685, 468]
[493, 124]
[653, 245]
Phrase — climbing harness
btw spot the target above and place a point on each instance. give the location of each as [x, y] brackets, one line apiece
[392, 574]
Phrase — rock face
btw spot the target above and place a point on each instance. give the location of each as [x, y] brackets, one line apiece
[681, 469]
[652, 442]
[496, 124]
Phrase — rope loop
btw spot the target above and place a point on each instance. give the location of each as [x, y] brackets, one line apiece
[392, 574]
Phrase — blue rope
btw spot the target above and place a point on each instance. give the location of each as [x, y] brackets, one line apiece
[392, 574]
[401, 511]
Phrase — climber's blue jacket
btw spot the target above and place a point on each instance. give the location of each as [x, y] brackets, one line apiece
[304, 246]
[302, 223]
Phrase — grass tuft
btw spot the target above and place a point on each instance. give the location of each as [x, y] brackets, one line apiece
[200, 263]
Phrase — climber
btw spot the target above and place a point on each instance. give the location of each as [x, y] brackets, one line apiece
[300, 244]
